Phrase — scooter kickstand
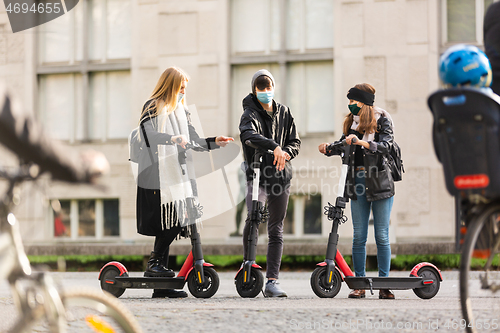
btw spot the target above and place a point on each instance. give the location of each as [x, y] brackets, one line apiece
[370, 281]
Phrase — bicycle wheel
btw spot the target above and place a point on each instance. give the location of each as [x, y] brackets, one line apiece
[91, 311]
[480, 272]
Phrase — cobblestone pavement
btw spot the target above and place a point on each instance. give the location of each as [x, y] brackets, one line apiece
[301, 311]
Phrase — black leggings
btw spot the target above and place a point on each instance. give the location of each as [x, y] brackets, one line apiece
[162, 243]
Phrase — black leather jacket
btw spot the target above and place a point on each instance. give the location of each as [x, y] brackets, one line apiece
[268, 132]
[379, 182]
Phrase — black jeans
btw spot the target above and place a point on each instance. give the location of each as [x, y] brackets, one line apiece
[277, 203]
[162, 243]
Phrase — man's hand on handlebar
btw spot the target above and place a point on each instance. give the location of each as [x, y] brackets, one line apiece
[322, 147]
[280, 157]
[222, 141]
[181, 140]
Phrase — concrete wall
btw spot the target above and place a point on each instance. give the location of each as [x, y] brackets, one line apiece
[391, 44]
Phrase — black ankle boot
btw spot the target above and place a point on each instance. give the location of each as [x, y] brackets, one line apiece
[169, 293]
[155, 267]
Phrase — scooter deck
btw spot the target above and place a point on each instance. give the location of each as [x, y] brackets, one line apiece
[149, 282]
[394, 283]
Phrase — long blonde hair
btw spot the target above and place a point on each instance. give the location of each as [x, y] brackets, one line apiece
[367, 121]
[166, 91]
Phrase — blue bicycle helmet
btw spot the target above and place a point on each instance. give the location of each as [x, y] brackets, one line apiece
[465, 65]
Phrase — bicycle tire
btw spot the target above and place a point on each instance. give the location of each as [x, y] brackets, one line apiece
[482, 239]
[89, 310]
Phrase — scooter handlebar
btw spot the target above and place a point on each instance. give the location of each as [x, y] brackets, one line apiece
[343, 143]
[251, 144]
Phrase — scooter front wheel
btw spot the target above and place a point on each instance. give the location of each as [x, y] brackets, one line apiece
[208, 288]
[319, 286]
[108, 281]
[254, 287]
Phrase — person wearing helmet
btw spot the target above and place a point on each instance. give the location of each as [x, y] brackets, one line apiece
[465, 66]
[269, 125]
[491, 29]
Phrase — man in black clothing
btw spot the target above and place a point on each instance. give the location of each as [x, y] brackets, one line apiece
[492, 42]
[269, 125]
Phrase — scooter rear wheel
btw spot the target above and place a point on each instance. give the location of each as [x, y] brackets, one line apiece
[108, 280]
[428, 273]
[209, 288]
[319, 286]
[252, 289]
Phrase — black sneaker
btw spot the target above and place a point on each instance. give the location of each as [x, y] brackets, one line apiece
[169, 293]
[273, 289]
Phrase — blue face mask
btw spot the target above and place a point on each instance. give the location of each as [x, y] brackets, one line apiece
[180, 97]
[265, 97]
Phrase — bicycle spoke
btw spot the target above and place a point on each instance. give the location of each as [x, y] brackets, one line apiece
[480, 257]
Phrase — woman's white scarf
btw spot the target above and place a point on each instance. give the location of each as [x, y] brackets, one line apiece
[378, 112]
[175, 187]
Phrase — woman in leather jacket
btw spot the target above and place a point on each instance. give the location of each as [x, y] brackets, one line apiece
[369, 181]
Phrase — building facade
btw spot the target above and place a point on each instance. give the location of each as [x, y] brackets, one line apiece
[86, 75]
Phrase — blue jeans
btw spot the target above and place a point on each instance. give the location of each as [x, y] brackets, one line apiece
[360, 210]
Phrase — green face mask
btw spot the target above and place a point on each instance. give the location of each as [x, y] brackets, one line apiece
[354, 108]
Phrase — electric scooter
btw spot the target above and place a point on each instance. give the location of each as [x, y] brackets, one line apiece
[326, 280]
[249, 279]
[200, 276]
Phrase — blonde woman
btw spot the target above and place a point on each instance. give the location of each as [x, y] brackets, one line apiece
[369, 185]
[168, 127]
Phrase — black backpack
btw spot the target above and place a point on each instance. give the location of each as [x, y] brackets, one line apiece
[394, 159]
[395, 162]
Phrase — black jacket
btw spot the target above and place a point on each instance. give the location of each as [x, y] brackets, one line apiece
[379, 182]
[268, 132]
[492, 42]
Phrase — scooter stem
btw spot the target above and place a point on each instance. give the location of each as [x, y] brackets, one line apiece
[195, 242]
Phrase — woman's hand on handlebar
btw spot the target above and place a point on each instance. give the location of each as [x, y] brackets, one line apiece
[349, 139]
[322, 147]
[280, 157]
[181, 140]
[222, 141]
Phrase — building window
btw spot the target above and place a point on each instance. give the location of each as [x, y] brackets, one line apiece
[60, 103]
[310, 90]
[288, 227]
[463, 20]
[304, 216]
[312, 214]
[294, 40]
[85, 218]
[83, 70]
[62, 218]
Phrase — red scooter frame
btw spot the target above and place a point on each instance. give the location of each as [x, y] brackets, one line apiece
[115, 279]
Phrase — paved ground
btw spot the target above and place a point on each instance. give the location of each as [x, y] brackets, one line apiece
[301, 311]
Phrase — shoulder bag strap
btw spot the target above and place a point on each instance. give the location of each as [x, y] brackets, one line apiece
[146, 139]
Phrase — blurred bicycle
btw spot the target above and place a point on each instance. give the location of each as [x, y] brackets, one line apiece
[466, 139]
[44, 306]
